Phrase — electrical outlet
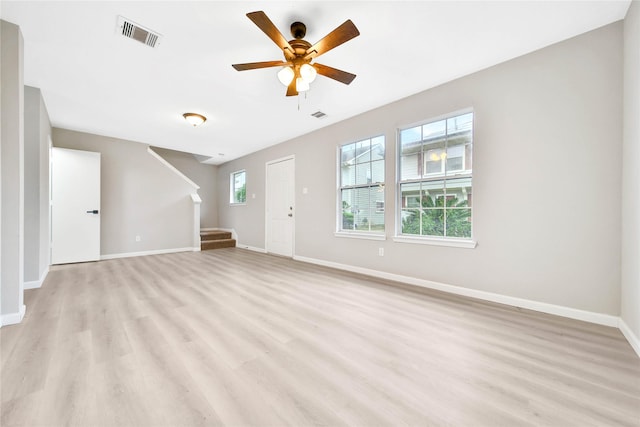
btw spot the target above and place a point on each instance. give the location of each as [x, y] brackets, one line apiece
[138, 238]
[381, 251]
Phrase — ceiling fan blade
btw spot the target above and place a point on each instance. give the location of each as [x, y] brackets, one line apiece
[334, 73]
[342, 34]
[255, 65]
[291, 89]
[264, 23]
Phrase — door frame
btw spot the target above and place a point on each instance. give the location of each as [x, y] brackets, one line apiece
[52, 202]
[266, 203]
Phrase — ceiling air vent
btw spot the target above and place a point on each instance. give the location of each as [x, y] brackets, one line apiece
[318, 114]
[130, 29]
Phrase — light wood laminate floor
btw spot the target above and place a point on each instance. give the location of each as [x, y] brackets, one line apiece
[232, 337]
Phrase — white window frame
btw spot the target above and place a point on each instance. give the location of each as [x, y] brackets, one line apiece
[426, 239]
[361, 234]
[232, 188]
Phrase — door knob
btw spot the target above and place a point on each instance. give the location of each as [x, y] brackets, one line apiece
[95, 212]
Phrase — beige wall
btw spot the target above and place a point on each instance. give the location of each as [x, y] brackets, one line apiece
[139, 196]
[631, 174]
[206, 176]
[548, 228]
[37, 131]
[12, 175]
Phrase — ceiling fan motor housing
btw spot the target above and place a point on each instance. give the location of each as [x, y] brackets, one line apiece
[300, 47]
[298, 30]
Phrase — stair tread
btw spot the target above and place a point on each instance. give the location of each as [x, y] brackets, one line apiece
[217, 244]
[214, 235]
[208, 232]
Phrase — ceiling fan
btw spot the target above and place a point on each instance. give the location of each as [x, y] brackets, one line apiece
[298, 71]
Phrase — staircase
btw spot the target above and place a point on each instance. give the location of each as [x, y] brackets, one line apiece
[216, 239]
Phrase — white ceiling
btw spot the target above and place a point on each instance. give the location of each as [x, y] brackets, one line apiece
[97, 81]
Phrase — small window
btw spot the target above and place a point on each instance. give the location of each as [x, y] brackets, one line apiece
[361, 186]
[238, 188]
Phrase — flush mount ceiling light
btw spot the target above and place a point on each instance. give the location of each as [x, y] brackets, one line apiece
[194, 119]
[298, 71]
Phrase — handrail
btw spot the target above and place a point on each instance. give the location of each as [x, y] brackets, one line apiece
[172, 168]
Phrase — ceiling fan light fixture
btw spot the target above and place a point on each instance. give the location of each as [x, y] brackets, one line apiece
[308, 73]
[285, 75]
[194, 119]
[302, 85]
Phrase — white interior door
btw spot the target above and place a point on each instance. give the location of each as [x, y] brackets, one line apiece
[75, 210]
[280, 207]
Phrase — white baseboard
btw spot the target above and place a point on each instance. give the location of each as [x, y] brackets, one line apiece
[630, 336]
[572, 313]
[251, 248]
[145, 253]
[13, 318]
[35, 284]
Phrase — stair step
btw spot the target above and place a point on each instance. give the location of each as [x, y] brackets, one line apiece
[214, 235]
[217, 244]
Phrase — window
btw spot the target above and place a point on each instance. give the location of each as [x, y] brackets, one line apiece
[238, 188]
[361, 192]
[435, 178]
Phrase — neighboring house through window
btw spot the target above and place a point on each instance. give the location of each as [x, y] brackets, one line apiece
[238, 188]
[435, 178]
[361, 186]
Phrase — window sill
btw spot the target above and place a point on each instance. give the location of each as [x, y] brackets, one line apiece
[434, 241]
[237, 204]
[362, 235]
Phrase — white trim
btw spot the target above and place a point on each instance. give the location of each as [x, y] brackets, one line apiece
[362, 235]
[430, 120]
[572, 313]
[251, 248]
[13, 318]
[232, 188]
[291, 157]
[281, 159]
[145, 253]
[434, 241]
[629, 335]
[196, 222]
[172, 168]
[35, 284]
